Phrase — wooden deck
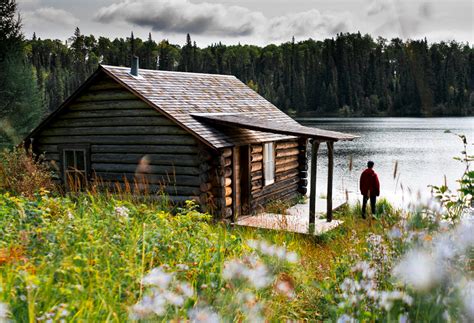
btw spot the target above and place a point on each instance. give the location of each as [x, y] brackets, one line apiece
[296, 220]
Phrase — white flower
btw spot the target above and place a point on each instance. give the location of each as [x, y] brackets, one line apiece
[173, 298]
[254, 271]
[142, 309]
[395, 233]
[186, 289]
[259, 276]
[122, 211]
[4, 312]
[419, 269]
[403, 318]
[284, 287]
[273, 250]
[253, 243]
[203, 315]
[232, 269]
[346, 319]
[158, 277]
[292, 257]
[468, 299]
[182, 266]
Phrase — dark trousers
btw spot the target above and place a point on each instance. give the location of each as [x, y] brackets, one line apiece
[373, 200]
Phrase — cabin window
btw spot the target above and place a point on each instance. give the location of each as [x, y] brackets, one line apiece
[75, 167]
[269, 163]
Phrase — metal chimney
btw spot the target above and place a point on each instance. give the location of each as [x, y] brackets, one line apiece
[134, 69]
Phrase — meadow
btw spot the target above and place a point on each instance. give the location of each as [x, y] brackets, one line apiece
[105, 257]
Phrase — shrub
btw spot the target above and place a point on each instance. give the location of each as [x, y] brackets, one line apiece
[23, 173]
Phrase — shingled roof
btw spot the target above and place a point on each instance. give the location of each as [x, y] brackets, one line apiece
[196, 100]
[179, 95]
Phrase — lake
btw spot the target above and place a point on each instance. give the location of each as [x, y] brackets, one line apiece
[420, 146]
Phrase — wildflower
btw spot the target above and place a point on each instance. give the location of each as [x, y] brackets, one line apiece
[386, 299]
[365, 269]
[122, 211]
[158, 278]
[285, 287]
[164, 292]
[203, 315]
[346, 319]
[252, 270]
[186, 289]
[403, 318]
[258, 276]
[418, 269]
[182, 266]
[292, 257]
[395, 233]
[273, 251]
[468, 299]
[4, 312]
[173, 298]
[144, 308]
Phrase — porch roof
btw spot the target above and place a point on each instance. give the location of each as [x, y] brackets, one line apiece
[245, 121]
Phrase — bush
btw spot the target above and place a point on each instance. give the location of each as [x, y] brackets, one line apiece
[23, 173]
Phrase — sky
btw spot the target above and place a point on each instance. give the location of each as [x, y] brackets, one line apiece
[258, 22]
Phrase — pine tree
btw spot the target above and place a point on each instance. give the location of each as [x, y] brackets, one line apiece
[20, 108]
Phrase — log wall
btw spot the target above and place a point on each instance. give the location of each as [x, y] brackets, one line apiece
[122, 132]
[290, 175]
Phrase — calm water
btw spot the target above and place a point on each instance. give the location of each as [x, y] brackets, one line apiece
[421, 147]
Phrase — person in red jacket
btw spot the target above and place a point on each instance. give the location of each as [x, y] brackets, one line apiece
[369, 187]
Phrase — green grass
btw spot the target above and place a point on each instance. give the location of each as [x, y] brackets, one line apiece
[80, 252]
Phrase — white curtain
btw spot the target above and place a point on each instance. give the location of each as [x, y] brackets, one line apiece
[269, 163]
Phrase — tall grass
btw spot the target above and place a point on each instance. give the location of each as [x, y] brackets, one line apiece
[89, 252]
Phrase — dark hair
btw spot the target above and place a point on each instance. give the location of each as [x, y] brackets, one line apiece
[370, 164]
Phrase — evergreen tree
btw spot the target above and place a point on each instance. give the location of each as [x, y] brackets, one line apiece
[20, 108]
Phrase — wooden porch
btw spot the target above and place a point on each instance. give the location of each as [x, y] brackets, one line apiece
[303, 222]
[294, 220]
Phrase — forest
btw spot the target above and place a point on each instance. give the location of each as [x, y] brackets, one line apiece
[349, 75]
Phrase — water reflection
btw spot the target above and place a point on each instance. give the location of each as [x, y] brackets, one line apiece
[422, 149]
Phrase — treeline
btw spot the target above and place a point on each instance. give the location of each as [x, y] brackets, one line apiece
[350, 75]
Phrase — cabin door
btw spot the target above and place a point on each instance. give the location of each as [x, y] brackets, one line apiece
[242, 166]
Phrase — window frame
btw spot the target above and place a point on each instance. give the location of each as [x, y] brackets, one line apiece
[266, 161]
[75, 148]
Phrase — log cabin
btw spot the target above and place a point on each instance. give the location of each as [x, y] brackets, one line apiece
[192, 136]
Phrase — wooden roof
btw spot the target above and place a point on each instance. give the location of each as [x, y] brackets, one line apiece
[179, 95]
[257, 123]
[195, 101]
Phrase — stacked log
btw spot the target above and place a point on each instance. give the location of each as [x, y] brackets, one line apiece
[256, 170]
[220, 184]
[287, 173]
[303, 160]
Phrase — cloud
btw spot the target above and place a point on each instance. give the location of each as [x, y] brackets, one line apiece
[399, 19]
[308, 23]
[377, 6]
[183, 16]
[50, 15]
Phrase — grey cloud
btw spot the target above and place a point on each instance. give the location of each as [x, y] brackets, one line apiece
[426, 10]
[309, 23]
[403, 19]
[182, 16]
[50, 15]
[377, 6]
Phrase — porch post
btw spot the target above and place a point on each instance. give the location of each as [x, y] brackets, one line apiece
[330, 177]
[312, 192]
